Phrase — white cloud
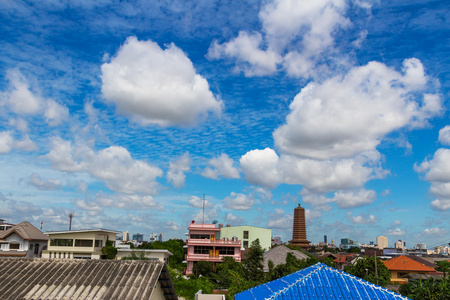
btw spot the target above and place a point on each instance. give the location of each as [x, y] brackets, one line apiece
[354, 199]
[280, 221]
[55, 113]
[20, 124]
[135, 201]
[172, 225]
[396, 232]
[260, 167]
[156, 86]
[444, 135]
[8, 143]
[435, 231]
[113, 165]
[396, 223]
[239, 201]
[221, 166]
[364, 219]
[176, 171]
[349, 115]
[48, 185]
[89, 206]
[234, 220]
[198, 202]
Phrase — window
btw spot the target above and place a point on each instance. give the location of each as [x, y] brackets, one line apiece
[36, 249]
[200, 236]
[245, 234]
[245, 244]
[225, 250]
[98, 243]
[83, 243]
[61, 242]
[14, 246]
[202, 249]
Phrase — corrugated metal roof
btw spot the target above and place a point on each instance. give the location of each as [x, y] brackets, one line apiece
[82, 279]
[26, 231]
[278, 256]
[319, 282]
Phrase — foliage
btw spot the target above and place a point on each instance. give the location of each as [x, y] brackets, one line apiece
[203, 268]
[239, 283]
[253, 265]
[353, 250]
[222, 277]
[430, 289]
[109, 251]
[187, 287]
[174, 246]
[365, 269]
[444, 266]
[133, 256]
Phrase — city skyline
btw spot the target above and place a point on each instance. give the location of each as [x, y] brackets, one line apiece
[126, 114]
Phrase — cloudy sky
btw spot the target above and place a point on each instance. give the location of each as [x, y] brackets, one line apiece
[126, 113]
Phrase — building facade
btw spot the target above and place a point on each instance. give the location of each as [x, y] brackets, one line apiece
[22, 240]
[5, 226]
[151, 254]
[81, 244]
[400, 244]
[203, 243]
[248, 234]
[382, 242]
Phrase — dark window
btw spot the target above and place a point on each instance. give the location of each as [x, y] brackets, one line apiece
[98, 243]
[225, 250]
[36, 249]
[245, 234]
[83, 243]
[200, 236]
[202, 249]
[61, 242]
[14, 246]
[245, 244]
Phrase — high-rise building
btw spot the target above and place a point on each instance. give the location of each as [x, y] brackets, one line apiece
[299, 229]
[160, 238]
[126, 236]
[382, 242]
[325, 239]
[153, 237]
[400, 244]
[138, 237]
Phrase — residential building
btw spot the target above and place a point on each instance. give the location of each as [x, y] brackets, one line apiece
[85, 279]
[151, 254]
[126, 236]
[382, 242]
[4, 225]
[247, 234]
[204, 243]
[318, 282]
[400, 267]
[84, 244]
[400, 244]
[138, 237]
[22, 240]
[278, 256]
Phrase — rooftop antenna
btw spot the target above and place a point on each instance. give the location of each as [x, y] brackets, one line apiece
[70, 221]
[203, 218]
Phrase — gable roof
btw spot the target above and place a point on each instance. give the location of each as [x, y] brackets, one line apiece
[318, 282]
[404, 263]
[26, 231]
[83, 279]
[278, 256]
[423, 261]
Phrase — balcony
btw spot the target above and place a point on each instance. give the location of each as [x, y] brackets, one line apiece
[207, 257]
[218, 242]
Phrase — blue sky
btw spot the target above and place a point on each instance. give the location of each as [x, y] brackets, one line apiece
[125, 114]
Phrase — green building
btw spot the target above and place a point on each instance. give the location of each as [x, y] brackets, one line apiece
[247, 234]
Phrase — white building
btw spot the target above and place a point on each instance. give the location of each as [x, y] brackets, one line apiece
[382, 242]
[421, 247]
[152, 254]
[126, 236]
[22, 240]
[400, 244]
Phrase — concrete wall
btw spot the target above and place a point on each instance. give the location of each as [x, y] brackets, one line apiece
[158, 293]
[263, 234]
[159, 255]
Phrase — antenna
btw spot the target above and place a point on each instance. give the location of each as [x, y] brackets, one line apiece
[203, 218]
[70, 221]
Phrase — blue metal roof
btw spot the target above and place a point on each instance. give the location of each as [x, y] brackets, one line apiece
[318, 282]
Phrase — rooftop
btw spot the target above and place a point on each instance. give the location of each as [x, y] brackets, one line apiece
[26, 231]
[83, 279]
[404, 263]
[84, 230]
[318, 282]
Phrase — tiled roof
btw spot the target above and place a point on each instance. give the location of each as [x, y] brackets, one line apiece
[26, 231]
[13, 253]
[82, 279]
[319, 282]
[278, 256]
[404, 263]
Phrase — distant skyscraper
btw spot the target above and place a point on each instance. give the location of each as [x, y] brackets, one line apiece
[126, 236]
[153, 237]
[299, 228]
[138, 237]
[160, 238]
[382, 242]
[325, 239]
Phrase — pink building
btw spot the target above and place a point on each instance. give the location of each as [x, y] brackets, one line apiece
[202, 244]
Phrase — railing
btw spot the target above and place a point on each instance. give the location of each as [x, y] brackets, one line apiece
[191, 257]
[216, 241]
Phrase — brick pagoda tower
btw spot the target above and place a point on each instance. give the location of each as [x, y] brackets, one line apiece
[299, 229]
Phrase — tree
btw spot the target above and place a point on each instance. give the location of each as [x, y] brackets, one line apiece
[444, 266]
[430, 289]
[109, 251]
[203, 268]
[365, 269]
[222, 277]
[187, 288]
[253, 264]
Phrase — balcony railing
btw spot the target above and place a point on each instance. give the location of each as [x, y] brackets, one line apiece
[216, 241]
[191, 257]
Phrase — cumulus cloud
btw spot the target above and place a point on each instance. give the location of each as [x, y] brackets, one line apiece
[198, 202]
[135, 201]
[113, 165]
[221, 166]
[46, 185]
[157, 86]
[343, 199]
[396, 223]
[260, 167]
[364, 219]
[396, 232]
[239, 201]
[176, 171]
[437, 171]
[435, 231]
[444, 135]
[234, 220]
[345, 116]
[172, 225]
[9, 143]
[21, 100]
